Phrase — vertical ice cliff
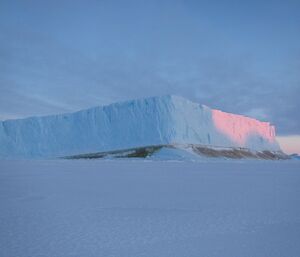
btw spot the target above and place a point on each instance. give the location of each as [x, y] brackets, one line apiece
[150, 121]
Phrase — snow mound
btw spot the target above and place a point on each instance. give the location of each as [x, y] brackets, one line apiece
[143, 122]
[167, 153]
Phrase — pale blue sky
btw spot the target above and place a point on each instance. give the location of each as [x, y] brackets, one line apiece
[238, 56]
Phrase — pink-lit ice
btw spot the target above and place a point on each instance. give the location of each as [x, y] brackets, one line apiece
[240, 128]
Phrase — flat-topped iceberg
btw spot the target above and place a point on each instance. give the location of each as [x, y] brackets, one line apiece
[144, 122]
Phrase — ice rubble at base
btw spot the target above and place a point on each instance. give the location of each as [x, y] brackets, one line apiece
[142, 122]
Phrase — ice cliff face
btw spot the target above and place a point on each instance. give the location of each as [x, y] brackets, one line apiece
[151, 121]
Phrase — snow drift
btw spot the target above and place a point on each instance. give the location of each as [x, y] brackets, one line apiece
[151, 121]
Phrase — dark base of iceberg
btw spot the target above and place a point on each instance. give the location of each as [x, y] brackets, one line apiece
[183, 152]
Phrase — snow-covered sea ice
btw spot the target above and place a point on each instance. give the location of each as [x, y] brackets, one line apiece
[149, 208]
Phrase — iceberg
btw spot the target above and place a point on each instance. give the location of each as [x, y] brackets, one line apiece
[161, 120]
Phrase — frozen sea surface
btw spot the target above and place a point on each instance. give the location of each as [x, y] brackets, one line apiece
[135, 208]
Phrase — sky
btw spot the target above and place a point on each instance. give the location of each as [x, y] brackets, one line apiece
[237, 56]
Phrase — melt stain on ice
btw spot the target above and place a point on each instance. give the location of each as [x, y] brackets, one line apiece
[239, 128]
